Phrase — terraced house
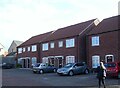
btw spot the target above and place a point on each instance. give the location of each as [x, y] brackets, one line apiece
[103, 42]
[28, 53]
[64, 45]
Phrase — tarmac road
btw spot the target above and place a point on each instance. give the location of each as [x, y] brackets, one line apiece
[25, 77]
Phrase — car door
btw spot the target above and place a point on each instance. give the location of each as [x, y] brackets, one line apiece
[49, 68]
[80, 68]
[44, 67]
[76, 69]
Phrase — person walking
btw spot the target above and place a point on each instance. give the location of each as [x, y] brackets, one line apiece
[101, 74]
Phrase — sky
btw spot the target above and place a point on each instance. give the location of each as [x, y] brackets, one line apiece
[22, 19]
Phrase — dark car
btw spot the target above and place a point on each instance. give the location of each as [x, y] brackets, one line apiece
[113, 69]
[43, 68]
[73, 68]
[7, 65]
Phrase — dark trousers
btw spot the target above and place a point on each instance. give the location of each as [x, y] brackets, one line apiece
[103, 82]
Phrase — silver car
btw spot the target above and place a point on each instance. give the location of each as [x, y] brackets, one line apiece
[73, 68]
[43, 68]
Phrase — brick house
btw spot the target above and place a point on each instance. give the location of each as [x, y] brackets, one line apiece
[103, 42]
[58, 47]
[67, 45]
[28, 53]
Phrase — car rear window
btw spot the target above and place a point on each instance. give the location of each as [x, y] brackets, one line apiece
[68, 65]
[37, 65]
[110, 65]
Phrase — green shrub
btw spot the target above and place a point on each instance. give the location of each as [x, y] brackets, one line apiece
[18, 66]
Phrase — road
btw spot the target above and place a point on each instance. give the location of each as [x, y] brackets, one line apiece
[25, 77]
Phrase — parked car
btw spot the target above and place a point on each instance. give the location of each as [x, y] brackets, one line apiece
[73, 68]
[43, 68]
[7, 65]
[113, 69]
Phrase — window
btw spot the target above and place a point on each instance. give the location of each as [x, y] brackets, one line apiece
[70, 59]
[60, 43]
[109, 58]
[34, 60]
[19, 50]
[23, 49]
[95, 61]
[45, 60]
[45, 46]
[19, 60]
[52, 45]
[95, 41]
[34, 48]
[70, 43]
[28, 48]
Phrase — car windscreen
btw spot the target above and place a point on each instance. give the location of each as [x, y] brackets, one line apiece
[110, 65]
[37, 65]
[68, 65]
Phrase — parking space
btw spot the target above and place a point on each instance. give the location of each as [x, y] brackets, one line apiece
[25, 77]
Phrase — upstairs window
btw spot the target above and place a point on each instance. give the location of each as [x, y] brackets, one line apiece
[95, 41]
[19, 50]
[28, 48]
[60, 44]
[23, 49]
[34, 48]
[52, 44]
[44, 46]
[70, 43]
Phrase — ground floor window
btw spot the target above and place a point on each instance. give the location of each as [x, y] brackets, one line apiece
[109, 58]
[45, 60]
[70, 59]
[19, 60]
[95, 61]
[34, 60]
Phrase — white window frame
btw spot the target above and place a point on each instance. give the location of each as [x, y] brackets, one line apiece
[45, 60]
[95, 41]
[95, 61]
[70, 59]
[19, 50]
[106, 59]
[34, 48]
[52, 45]
[19, 60]
[28, 48]
[60, 43]
[24, 49]
[70, 43]
[45, 47]
[34, 60]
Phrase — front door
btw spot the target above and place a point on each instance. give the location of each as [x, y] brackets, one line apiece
[60, 62]
[52, 61]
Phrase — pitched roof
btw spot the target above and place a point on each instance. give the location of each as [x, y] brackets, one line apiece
[36, 39]
[69, 31]
[17, 42]
[108, 24]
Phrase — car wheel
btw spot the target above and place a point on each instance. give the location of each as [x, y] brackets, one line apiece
[41, 72]
[54, 70]
[86, 71]
[71, 73]
[34, 72]
[119, 75]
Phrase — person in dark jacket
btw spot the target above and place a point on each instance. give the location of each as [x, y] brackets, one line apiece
[101, 74]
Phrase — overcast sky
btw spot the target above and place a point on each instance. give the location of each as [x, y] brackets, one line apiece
[22, 19]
